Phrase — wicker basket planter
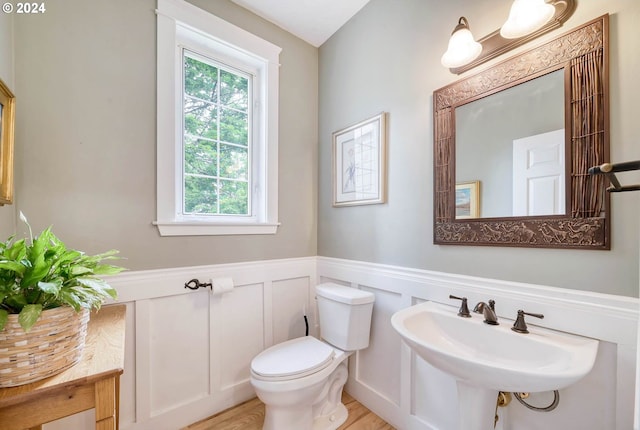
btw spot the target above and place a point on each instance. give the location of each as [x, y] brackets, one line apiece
[54, 344]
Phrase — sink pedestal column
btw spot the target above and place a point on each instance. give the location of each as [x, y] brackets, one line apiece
[477, 407]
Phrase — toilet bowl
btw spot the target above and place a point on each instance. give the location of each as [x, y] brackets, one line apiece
[300, 381]
[291, 396]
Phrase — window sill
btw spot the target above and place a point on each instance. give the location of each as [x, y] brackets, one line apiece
[206, 229]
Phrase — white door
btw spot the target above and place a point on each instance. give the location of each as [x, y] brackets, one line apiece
[538, 174]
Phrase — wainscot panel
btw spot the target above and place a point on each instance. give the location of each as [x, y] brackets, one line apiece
[184, 361]
[604, 399]
[188, 352]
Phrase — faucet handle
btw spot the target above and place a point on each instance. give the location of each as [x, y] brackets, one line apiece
[520, 326]
[464, 309]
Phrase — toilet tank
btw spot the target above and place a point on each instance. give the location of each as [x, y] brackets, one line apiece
[345, 315]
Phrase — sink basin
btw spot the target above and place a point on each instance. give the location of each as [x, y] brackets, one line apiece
[494, 357]
[485, 359]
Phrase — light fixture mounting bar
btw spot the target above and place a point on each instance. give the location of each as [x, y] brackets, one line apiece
[494, 45]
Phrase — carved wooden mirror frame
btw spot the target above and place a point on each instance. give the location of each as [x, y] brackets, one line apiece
[583, 54]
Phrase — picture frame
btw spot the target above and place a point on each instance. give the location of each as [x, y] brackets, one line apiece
[7, 126]
[359, 163]
[468, 200]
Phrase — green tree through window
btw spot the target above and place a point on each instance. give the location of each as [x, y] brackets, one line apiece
[215, 139]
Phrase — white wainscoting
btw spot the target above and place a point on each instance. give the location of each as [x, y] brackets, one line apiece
[410, 394]
[188, 352]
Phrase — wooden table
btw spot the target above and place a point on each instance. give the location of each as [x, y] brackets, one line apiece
[94, 382]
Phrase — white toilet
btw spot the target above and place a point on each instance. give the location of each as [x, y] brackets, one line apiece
[300, 381]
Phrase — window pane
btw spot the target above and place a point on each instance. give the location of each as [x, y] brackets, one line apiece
[234, 127]
[200, 118]
[234, 91]
[234, 162]
[200, 79]
[200, 156]
[200, 196]
[234, 198]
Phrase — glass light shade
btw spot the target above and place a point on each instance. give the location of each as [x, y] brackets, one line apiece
[462, 49]
[525, 17]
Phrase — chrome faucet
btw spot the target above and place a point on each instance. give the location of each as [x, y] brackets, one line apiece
[489, 312]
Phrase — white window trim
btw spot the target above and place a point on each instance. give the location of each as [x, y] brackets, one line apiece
[173, 17]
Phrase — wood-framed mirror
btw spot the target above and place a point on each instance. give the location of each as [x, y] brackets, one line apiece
[569, 209]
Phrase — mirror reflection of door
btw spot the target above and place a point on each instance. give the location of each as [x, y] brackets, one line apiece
[538, 174]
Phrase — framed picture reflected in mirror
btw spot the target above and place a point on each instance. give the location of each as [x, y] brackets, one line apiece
[468, 200]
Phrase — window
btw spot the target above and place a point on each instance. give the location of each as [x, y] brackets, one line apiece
[215, 139]
[217, 126]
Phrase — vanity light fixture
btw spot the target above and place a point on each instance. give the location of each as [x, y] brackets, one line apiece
[528, 19]
[525, 17]
[462, 48]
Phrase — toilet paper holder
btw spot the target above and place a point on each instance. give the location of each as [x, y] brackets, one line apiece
[194, 284]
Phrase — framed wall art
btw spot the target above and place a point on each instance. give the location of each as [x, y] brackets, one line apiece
[7, 124]
[468, 200]
[359, 163]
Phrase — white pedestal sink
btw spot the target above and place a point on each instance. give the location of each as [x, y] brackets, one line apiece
[486, 359]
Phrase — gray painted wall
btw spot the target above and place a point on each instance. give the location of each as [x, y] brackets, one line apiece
[85, 141]
[387, 58]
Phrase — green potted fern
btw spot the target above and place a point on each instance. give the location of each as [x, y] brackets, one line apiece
[46, 293]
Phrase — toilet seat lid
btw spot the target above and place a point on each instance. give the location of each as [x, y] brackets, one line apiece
[292, 359]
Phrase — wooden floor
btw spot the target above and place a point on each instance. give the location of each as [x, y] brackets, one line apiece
[250, 416]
